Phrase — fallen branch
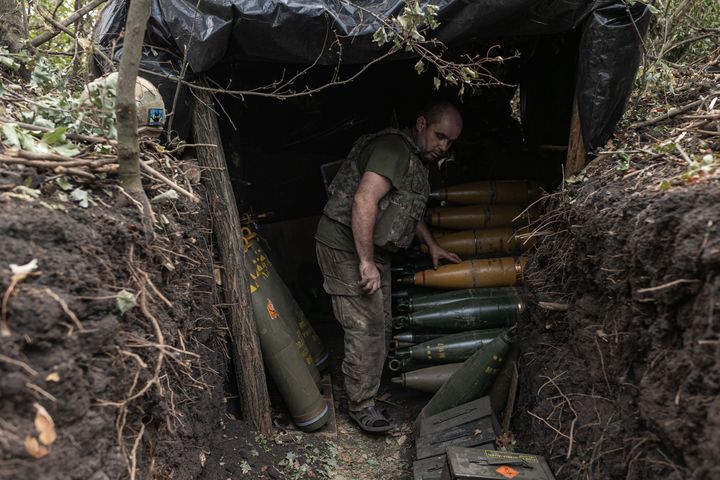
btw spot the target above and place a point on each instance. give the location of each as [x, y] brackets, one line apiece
[194, 198]
[44, 37]
[70, 135]
[22, 160]
[670, 113]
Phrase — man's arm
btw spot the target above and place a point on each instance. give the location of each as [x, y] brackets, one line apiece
[372, 188]
[436, 252]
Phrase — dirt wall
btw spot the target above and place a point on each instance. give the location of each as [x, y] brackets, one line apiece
[621, 364]
[125, 398]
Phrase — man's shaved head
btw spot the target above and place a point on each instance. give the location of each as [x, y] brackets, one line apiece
[434, 111]
[437, 127]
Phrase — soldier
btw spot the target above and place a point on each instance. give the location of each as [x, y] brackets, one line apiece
[376, 206]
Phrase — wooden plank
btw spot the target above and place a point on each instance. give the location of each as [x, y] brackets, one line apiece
[245, 349]
[576, 155]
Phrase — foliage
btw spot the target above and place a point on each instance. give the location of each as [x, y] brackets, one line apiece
[683, 33]
[410, 32]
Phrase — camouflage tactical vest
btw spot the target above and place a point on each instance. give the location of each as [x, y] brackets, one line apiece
[399, 211]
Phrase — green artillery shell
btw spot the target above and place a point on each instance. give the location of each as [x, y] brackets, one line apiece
[410, 303]
[428, 379]
[414, 337]
[489, 192]
[450, 348]
[263, 275]
[468, 314]
[474, 379]
[489, 272]
[485, 242]
[480, 216]
[289, 372]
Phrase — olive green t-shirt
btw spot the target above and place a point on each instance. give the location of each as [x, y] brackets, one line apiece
[386, 155]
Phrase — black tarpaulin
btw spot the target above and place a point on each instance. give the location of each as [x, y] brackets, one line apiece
[324, 32]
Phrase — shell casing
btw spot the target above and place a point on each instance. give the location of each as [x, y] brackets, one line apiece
[264, 275]
[484, 242]
[273, 298]
[456, 347]
[480, 216]
[290, 372]
[467, 314]
[411, 303]
[490, 272]
[473, 379]
[490, 192]
[428, 379]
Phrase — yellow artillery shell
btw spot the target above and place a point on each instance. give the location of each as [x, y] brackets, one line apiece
[479, 216]
[484, 242]
[490, 272]
[490, 192]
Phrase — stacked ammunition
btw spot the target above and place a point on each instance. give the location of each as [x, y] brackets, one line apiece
[458, 340]
[439, 330]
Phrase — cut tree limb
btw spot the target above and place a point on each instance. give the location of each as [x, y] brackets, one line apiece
[226, 223]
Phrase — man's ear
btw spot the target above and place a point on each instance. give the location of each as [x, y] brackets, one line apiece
[420, 123]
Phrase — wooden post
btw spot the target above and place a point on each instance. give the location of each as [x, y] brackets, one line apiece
[576, 154]
[226, 226]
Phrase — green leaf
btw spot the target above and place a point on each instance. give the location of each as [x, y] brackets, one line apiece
[436, 83]
[55, 136]
[420, 67]
[166, 197]
[8, 60]
[380, 37]
[82, 197]
[64, 183]
[11, 135]
[68, 149]
[125, 301]
[665, 185]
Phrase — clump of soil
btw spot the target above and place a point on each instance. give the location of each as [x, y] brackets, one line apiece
[621, 353]
[138, 393]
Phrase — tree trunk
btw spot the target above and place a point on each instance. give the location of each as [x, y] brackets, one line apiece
[226, 224]
[126, 109]
[13, 30]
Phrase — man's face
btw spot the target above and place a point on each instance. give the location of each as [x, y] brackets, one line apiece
[436, 138]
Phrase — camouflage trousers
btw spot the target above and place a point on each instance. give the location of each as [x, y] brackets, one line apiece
[366, 320]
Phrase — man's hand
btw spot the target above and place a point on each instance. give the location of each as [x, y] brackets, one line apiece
[437, 253]
[369, 278]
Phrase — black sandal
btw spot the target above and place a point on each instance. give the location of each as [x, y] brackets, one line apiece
[372, 420]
